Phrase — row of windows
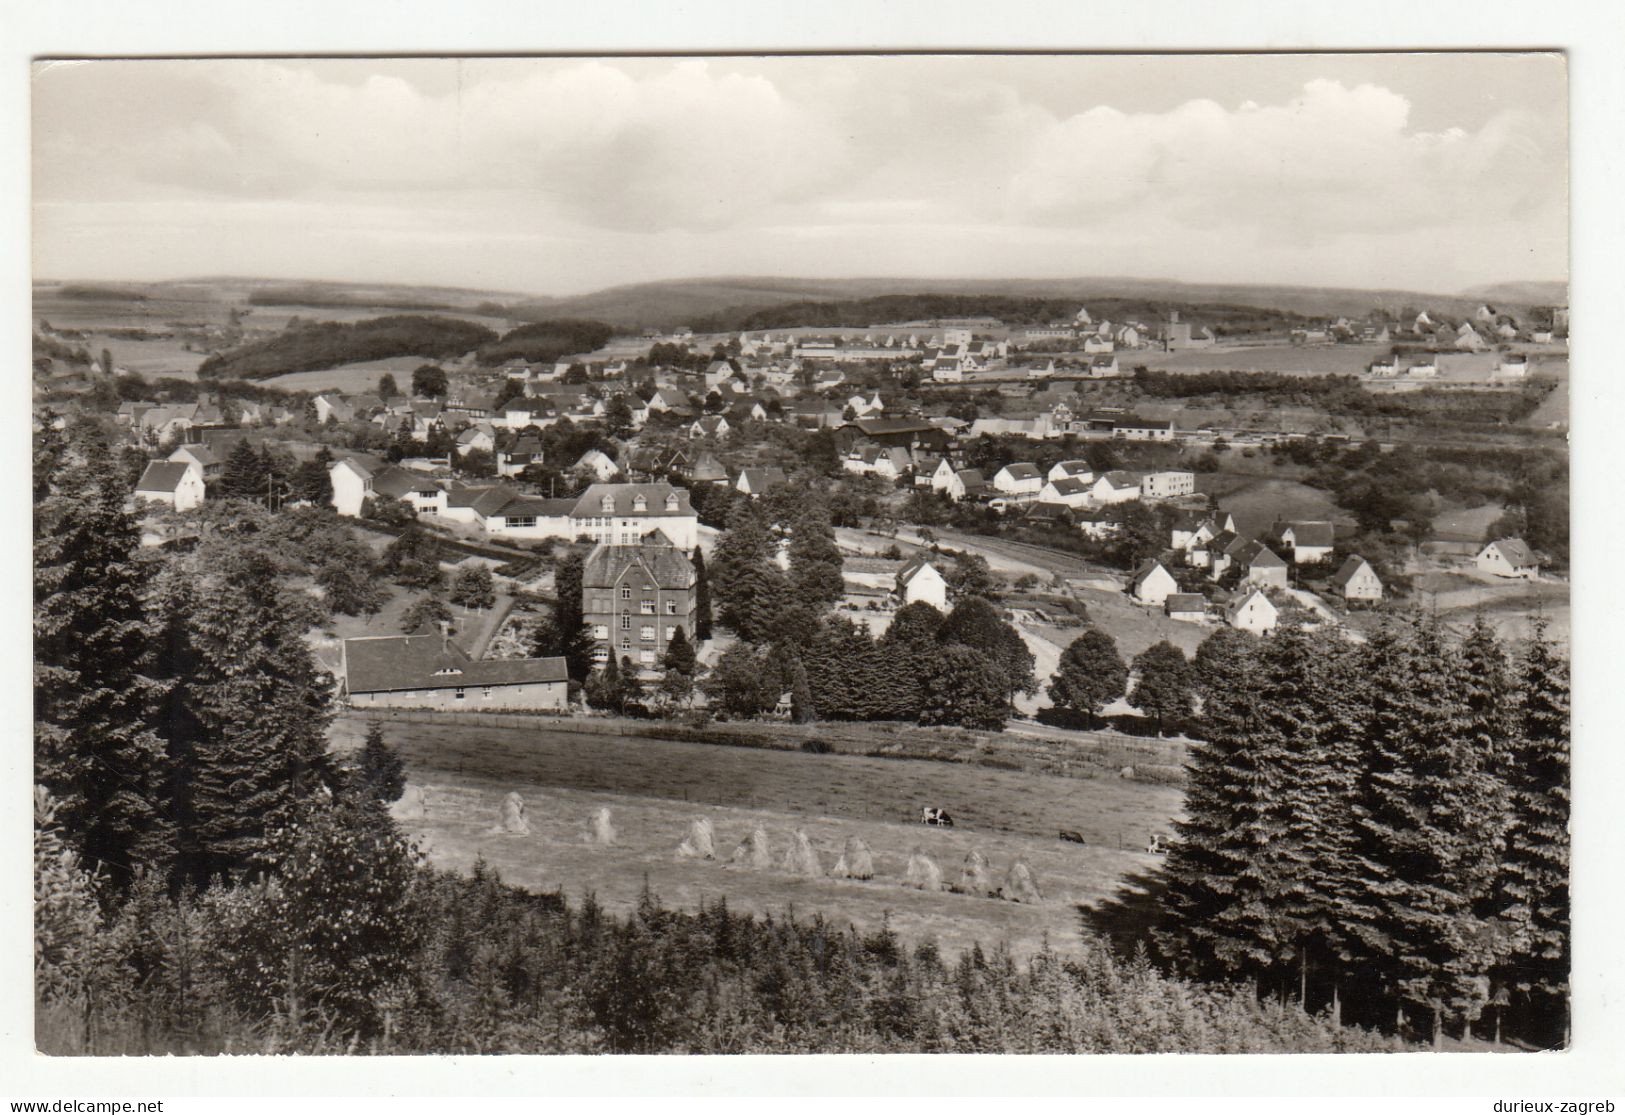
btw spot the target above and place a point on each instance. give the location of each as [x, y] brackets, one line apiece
[646, 631]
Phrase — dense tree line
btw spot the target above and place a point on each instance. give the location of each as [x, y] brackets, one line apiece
[545, 341]
[327, 344]
[1380, 829]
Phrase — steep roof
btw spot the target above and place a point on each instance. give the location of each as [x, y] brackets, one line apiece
[589, 504]
[1347, 571]
[1074, 468]
[431, 661]
[761, 479]
[1021, 470]
[1311, 533]
[1144, 572]
[912, 568]
[395, 482]
[665, 563]
[1515, 550]
[162, 476]
[1259, 555]
[1069, 486]
[1117, 478]
[1235, 606]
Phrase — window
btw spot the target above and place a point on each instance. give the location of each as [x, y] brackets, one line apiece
[487, 692]
[460, 694]
[600, 632]
[671, 607]
[647, 607]
[608, 503]
[671, 502]
[646, 657]
[626, 623]
[671, 632]
[639, 504]
[647, 632]
[626, 592]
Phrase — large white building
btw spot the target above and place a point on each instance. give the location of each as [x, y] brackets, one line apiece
[1167, 484]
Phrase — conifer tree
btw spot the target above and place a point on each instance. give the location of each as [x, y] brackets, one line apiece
[259, 708]
[1535, 877]
[702, 598]
[802, 709]
[815, 560]
[380, 770]
[95, 749]
[570, 637]
[680, 654]
[244, 474]
[1421, 847]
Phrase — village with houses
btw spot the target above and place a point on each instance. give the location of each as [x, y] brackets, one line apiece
[802, 555]
[1005, 432]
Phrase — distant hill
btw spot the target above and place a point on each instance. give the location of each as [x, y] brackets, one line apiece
[1529, 294]
[672, 303]
[668, 304]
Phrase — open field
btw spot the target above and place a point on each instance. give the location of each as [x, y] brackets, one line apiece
[656, 788]
[1512, 608]
[1257, 503]
[1466, 524]
[356, 378]
[1308, 360]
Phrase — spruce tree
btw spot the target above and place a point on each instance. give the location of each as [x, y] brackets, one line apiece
[680, 655]
[244, 474]
[802, 709]
[95, 746]
[1421, 846]
[1535, 876]
[380, 770]
[815, 560]
[259, 707]
[702, 598]
[574, 640]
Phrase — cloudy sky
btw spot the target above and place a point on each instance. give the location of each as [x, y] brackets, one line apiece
[556, 176]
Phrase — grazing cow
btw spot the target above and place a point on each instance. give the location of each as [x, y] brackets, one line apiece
[1157, 847]
[935, 815]
[1071, 837]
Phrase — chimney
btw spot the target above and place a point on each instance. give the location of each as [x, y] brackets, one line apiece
[445, 637]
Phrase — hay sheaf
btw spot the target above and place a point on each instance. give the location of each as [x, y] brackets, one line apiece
[511, 816]
[754, 851]
[603, 829]
[1020, 885]
[923, 873]
[801, 858]
[698, 844]
[975, 877]
[856, 861]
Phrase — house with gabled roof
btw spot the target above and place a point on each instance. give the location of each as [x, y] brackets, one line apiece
[1116, 486]
[428, 669]
[598, 463]
[479, 436]
[1021, 480]
[1076, 470]
[1151, 583]
[1508, 557]
[635, 598]
[1252, 611]
[1066, 491]
[625, 514]
[352, 478]
[967, 483]
[1356, 580]
[710, 426]
[177, 485]
[1261, 565]
[1191, 530]
[1310, 541]
[210, 465]
[754, 481]
[1186, 607]
[519, 454]
[918, 581]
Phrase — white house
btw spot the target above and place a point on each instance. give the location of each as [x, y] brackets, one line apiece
[1262, 566]
[1509, 557]
[710, 425]
[1021, 480]
[1187, 607]
[1076, 470]
[1514, 365]
[1427, 368]
[175, 484]
[1067, 491]
[1252, 611]
[1167, 484]
[479, 436]
[352, 482]
[622, 514]
[1152, 584]
[754, 481]
[599, 463]
[967, 483]
[1098, 345]
[918, 581]
[1116, 487]
[1308, 541]
[1385, 366]
[1356, 580]
[943, 478]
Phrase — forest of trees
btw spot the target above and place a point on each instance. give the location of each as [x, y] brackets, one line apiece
[327, 344]
[545, 341]
[1380, 830]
